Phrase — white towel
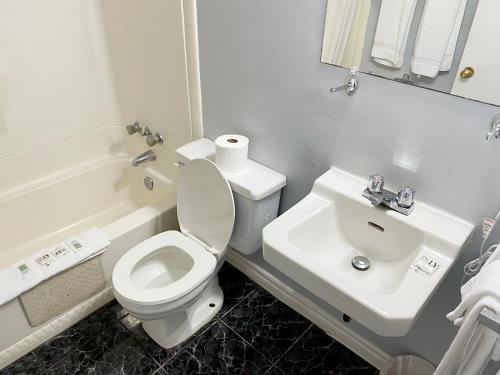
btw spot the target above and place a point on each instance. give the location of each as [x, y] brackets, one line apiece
[10, 287]
[88, 244]
[391, 36]
[485, 283]
[32, 270]
[345, 30]
[479, 351]
[64, 258]
[495, 255]
[437, 36]
[474, 345]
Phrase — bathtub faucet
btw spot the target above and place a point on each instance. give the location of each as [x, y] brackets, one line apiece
[143, 158]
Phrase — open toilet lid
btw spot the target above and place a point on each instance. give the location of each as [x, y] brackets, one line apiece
[205, 205]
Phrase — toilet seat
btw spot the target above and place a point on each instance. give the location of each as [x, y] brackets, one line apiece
[203, 265]
[205, 205]
[168, 271]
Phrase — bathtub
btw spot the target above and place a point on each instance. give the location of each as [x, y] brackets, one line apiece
[41, 210]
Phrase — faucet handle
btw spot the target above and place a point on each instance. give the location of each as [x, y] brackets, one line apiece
[375, 183]
[134, 128]
[153, 139]
[494, 128]
[406, 196]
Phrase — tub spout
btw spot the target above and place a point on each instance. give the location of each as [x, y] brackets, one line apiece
[143, 158]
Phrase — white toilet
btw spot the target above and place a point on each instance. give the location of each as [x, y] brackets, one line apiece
[170, 280]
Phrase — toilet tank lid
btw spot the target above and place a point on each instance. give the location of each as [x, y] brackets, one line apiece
[255, 182]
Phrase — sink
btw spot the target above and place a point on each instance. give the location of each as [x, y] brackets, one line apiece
[314, 243]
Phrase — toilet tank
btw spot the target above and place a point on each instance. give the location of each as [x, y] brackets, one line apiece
[256, 193]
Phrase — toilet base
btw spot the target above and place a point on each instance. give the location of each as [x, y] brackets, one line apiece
[178, 327]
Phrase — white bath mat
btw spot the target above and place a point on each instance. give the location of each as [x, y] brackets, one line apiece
[63, 291]
[44, 264]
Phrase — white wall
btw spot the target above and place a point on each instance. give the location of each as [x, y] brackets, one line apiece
[69, 66]
[91, 66]
[261, 76]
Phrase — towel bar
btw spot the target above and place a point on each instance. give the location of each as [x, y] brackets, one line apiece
[490, 319]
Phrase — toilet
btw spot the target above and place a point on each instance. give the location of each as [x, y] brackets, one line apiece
[169, 281]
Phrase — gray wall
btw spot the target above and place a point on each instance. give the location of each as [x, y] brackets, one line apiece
[261, 77]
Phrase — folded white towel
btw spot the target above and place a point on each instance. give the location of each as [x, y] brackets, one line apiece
[88, 244]
[61, 257]
[29, 274]
[481, 346]
[495, 255]
[474, 345]
[391, 36]
[32, 270]
[345, 31]
[485, 283]
[437, 36]
[495, 355]
[10, 286]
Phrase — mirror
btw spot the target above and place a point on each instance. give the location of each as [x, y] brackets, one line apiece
[445, 45]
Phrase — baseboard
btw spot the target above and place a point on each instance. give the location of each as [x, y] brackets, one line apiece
[331, 325]
[55, 327]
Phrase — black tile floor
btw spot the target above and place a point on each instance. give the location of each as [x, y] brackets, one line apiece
[254, 333]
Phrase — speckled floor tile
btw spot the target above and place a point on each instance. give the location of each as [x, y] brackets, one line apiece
[159, 354]
[217, 351]
[316, 353]
[114, 352]
[274, 371]
[266, 323]
[235, 286]
[77, 335]
[116, 309]
[30, 364]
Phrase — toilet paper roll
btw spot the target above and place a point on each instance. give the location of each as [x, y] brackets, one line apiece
[231, 152]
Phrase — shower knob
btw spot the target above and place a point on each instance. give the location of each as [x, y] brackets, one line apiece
[134, 128]
[153, 139]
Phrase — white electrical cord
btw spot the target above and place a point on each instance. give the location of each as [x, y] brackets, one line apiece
[474, 266]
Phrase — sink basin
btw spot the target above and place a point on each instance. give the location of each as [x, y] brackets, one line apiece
[315, 242]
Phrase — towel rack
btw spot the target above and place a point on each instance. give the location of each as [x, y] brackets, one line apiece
[490, 319]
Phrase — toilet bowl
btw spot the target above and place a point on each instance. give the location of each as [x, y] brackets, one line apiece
[169, 281]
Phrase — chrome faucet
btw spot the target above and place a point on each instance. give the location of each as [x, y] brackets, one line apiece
[402, 201]
[494, 131]
[351, 84]
[144, 158]
[134, 128]
[152, 139]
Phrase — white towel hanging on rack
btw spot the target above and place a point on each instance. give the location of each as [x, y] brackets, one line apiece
[437, 36]
[474, 345]
[391, 36]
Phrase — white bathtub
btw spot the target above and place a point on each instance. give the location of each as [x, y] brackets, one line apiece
[101, 190]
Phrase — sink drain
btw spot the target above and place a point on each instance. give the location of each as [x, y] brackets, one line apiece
[361, 263]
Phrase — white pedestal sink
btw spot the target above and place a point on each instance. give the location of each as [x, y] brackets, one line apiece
[315, 241]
